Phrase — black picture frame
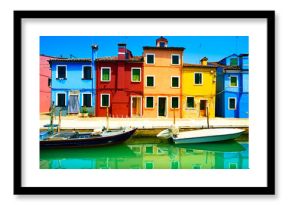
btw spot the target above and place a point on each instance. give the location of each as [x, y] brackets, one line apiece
[269, 16]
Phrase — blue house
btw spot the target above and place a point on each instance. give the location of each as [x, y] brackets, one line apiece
[73, 85]
[232, 99]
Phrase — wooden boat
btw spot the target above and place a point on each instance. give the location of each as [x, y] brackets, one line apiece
[201, 136]
[76, 139]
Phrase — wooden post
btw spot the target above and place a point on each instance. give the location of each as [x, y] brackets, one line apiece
[173, 116]
[59, 121]
[107, 118]
[207, 117]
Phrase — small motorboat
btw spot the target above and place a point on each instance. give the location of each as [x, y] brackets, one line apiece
[76, 139]
[200, 136]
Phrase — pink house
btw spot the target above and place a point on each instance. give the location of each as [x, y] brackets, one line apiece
[45, 83]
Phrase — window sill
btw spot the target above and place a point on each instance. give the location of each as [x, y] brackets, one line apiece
[87, 79]
[61, 78]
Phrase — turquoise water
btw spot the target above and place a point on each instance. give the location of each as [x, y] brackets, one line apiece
[150, 154]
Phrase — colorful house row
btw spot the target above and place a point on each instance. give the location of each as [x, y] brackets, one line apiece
[156, 84]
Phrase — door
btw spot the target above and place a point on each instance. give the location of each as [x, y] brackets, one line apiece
[202, 108]
[161, 106]
[73, 104]
[136, 107]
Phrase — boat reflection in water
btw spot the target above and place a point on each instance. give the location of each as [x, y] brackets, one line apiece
[223, 155]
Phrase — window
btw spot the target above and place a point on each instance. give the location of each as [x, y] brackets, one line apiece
[150, 58]
[197, 78]
[174, 165]
[233, 165]
[136, 74]
[105, 74]
[61, 72]
[149, 149]
[175, 59]
[150, 81]
[105, 100]
[60, 100]
[232, 103]
[233, 81]
[162, 44]
[49, 82]
[175, 82]
[87, 99]
[149, 102]
[149, 165]
[190, 102]
[234, 62]
[174, 102]
[87, 72]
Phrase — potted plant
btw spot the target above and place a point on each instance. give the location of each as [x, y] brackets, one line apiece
[84, 112]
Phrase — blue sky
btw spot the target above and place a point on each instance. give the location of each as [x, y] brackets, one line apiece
[196, 47]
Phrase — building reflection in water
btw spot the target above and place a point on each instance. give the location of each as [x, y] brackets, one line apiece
[226, 155]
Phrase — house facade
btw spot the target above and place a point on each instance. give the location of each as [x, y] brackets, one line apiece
[73, 85]
[119, 82]
[198, 90]
[45, 83]
[233, 87]
[162, 80]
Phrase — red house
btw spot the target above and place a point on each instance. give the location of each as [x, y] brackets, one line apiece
[45, 81]
[119, 84]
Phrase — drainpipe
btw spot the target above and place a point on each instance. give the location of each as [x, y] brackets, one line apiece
[94, 51]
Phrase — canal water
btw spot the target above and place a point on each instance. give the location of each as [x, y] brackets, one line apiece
[148, 152]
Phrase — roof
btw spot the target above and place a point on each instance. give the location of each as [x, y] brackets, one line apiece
[243, 54]
[110, 58]
[225, 67]
[163, 48]
[70, 60]
[198, 65]
[161, 39]
[115, 58]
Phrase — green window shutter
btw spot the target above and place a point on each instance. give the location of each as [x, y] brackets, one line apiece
[150, 59]
[87, 100]
[197, 78]
[61, 100]
[234, 81]
[174, 102]
[105, 74]
[175, 60]
[190, 102]
[232, 103]
[105, 100]
[149, 102]
[87, 72]
[150, 81]
[175, 82]
[234, 62]
[136, 75]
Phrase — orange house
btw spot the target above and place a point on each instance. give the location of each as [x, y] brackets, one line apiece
[162, 80]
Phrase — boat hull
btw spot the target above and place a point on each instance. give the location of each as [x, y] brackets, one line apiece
[88, 142]
[206, 139]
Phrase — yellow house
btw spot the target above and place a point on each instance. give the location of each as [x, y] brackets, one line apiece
[162, 80]
[198, 90]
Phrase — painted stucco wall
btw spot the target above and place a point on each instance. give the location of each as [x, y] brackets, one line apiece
[162, 70]
[73, 82]
[205, 91]
[45, 91]
[120, 87]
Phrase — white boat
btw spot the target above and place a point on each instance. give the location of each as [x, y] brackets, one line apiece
[201, 136]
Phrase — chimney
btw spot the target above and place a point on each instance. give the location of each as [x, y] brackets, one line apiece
[122, 51]
[203, 61]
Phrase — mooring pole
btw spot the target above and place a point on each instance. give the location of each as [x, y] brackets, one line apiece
[107, 117]
[59, 121]
[207, 117]
[173, 116]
